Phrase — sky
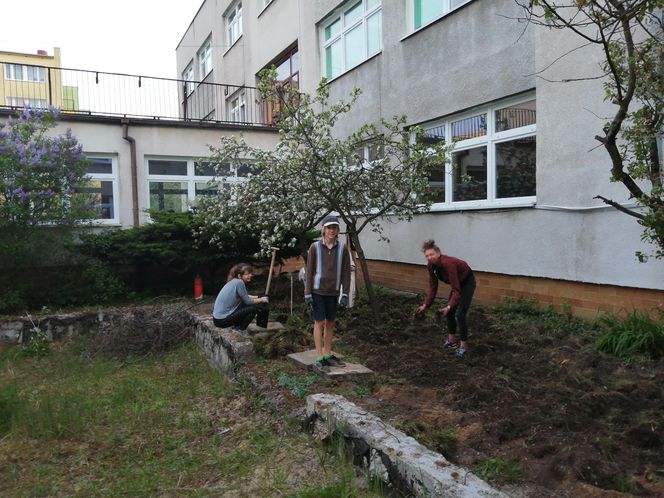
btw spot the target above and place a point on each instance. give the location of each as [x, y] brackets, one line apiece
[123, 36]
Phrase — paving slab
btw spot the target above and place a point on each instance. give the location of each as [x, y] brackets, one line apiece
[306, 359]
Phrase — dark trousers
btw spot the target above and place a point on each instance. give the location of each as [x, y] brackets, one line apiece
[460, 313]
[240, 318]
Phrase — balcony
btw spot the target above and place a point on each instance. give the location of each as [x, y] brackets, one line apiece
[96, 93]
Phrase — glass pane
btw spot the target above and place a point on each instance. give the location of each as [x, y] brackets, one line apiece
[333, 60]
[333, 30]
[370, 4]
[469, 171]
[168, 196]
[244, 169]
[100, 165]
[437, 182]
[99, 195]
[164, 167]
[426, 10]
[284, 70]
[516, 116]
[515, 168]
[354, 47]
[455, 3]
[204, 168]
[374, 33]
[205, 189]
[353, 14]
[472, 127]
[295, 60]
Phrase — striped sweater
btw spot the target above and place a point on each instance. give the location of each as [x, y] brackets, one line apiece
[327, 269]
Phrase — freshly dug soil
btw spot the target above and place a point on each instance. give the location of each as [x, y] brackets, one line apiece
[531, 392]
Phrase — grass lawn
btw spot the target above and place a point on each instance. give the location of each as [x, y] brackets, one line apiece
[167, 425]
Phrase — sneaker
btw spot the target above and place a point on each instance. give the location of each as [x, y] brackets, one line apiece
[450, 344]
[460, 353]
[321, 366]
[334, 361]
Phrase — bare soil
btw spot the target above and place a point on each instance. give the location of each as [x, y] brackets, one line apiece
[531, 392]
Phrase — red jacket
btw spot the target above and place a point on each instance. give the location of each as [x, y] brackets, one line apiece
[451, 270]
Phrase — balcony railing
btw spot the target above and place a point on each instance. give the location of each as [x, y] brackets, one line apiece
[98, 93]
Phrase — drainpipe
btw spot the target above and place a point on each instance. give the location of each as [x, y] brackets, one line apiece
[134, 169]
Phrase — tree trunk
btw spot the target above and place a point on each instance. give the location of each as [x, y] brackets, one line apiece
[365, 272]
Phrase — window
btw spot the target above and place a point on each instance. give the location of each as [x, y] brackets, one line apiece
[188, 76]
[205, 59]
[237, 107]
[101, 187]
[234, 23]
[493, 162]
[351, 36]
[25, 102]
[423, 12]
[174, 183]
[22, 72]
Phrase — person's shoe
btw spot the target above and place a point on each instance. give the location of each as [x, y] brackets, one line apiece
[321, 366]
[460, 353]
[450, 344]
[334, 361]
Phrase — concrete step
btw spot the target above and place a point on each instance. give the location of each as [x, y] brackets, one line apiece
[306, 359]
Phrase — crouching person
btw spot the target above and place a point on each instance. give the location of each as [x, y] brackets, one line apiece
[234, 307]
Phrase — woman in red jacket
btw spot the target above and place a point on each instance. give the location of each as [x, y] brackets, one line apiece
[459, 276]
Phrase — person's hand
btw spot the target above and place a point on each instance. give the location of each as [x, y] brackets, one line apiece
[444, 311]
[343, 302]
[421, 309]
[264, 299]
[309, 300]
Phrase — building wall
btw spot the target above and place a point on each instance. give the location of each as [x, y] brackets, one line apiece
[50, 91]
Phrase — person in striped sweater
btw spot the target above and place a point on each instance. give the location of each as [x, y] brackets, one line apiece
[326, 284]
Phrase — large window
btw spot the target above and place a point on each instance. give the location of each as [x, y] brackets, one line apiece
[188, 76]
[237, 107]
[422, 12]
[25, 102]
[351, 36]
[174, 183]
[21, 72]
[101, 187]
[493, 161]
[205, 59]
[234, 23]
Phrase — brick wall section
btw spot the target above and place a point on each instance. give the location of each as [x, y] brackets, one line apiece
[585, 300]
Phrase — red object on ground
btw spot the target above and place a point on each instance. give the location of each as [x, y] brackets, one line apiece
[198, 288]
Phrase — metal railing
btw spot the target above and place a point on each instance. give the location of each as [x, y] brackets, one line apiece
[99, 93]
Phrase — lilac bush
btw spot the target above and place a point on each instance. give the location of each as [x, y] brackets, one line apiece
[39, 174]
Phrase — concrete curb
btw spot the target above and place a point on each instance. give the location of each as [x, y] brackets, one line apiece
[397, 459]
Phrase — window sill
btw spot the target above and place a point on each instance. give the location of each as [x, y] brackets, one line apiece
[434, 21]
[234, 43]
[371, 57]
[521, 202]
[265, 8]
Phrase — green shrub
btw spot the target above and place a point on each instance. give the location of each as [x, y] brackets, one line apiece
[637, 334]
[497, 469]
[37, 346]
[299, 386]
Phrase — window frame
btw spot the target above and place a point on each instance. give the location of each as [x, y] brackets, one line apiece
[32, 102]
[233, 28]
[191, 179]
[339, 15]
[113, 178]
[241, 97]
[410, 14]
[204, 58]
[188, 76]
[11, 74]
[489, 140]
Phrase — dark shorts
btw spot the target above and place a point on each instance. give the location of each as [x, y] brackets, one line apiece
[325, 307]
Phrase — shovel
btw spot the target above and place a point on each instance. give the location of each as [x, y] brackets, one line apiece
[263, 314]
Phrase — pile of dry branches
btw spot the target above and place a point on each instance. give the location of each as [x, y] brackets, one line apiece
[140, 331]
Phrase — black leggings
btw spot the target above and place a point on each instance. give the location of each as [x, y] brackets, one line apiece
[460, 313]
[240, 318]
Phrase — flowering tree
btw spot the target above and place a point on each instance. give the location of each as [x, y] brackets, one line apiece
[630, 34]
[379, 172]
[38, 177]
